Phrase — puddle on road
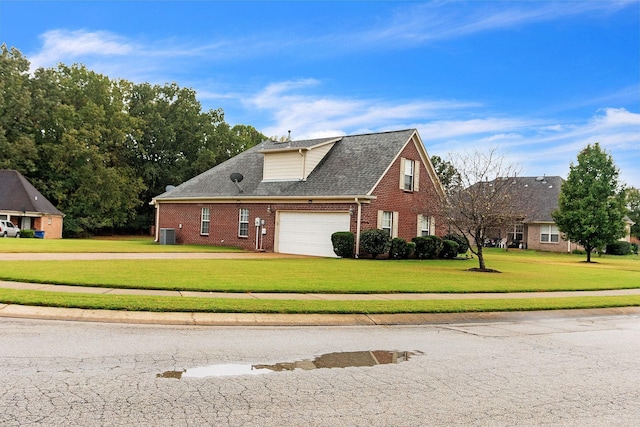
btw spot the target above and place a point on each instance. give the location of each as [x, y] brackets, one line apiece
[330, 360]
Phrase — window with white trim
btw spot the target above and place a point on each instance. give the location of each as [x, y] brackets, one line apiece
[517, 233]
[425, 227]
[549, 234]
[387, 222]
[205, 219]
[409, 167]
[243, 223]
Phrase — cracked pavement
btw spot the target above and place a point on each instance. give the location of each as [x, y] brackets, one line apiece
[579, 371]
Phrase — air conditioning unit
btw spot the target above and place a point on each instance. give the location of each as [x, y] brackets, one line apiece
[167, 236]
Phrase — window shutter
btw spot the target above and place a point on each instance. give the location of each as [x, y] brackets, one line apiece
[402, 162]
[432, 226]
[419, 227]
[416, 175]
[379, 225]
[395, 224]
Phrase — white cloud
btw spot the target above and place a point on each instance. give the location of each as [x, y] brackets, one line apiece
[290, 106]
[428, 22]
[541, 146]
[60, 45]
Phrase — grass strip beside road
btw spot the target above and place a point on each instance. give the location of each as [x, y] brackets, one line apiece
[207, 305]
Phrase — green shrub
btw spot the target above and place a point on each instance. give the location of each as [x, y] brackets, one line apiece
[449, 249]
[579, 252]
[463, 243]
[427, 247]
[411, 249]
[634, 248]
[399, 249]
[27, 234]
[343, 243]
[375, 242]
[619, 248]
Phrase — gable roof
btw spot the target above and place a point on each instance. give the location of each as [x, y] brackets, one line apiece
[17, 194]
[351, 168]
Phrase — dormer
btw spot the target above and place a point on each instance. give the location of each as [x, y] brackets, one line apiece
[293, 160]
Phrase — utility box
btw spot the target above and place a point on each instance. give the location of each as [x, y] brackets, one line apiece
[167, 236]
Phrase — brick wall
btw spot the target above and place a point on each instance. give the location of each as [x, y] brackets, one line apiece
[533, 241]
[408, 204]
[185, 218]
[51, 231]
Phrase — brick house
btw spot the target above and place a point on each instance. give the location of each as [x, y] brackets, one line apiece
[22, 204]
[290, 196]
[538, 198]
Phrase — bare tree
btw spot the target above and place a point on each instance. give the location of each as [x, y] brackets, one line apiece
[485, 198]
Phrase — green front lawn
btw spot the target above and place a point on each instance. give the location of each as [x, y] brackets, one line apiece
[521, 271]
[101, 245]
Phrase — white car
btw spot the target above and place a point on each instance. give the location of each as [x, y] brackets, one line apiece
[7, 229]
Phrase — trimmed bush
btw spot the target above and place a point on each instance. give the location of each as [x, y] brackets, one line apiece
[343, 243]
[375, 242]
[411, 249]
[427, 247]
[634, 248]
[399, 249]
[619, 248]
[449, 249]
[27, 234]
[463, 243]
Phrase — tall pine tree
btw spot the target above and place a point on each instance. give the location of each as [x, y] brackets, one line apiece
[591, 206]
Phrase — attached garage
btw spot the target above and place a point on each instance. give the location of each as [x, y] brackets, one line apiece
[309, 233]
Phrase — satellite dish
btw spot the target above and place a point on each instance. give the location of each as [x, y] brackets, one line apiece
[169, 188]
[236, 178]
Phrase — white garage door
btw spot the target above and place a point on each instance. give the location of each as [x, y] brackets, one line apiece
[309, 233]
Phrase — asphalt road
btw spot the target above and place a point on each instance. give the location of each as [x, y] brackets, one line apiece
[579, 371]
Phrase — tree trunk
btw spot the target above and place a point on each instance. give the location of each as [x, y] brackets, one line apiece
[588, 249]
[481, 263]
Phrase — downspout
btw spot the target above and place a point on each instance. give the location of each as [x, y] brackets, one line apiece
[157, 230]
[359, 218]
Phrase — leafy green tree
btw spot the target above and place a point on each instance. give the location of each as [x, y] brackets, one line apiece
[82, 135]
[447, 173]
[591, 205]
[101, 149]
[17, 146]
[633, 210]
[175, 141]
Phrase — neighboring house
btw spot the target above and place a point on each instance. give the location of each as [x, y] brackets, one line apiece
[538, 197]
[23, 205]
[289, 197]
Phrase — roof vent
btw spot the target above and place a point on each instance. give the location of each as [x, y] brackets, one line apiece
[540, 178]
[169, 188]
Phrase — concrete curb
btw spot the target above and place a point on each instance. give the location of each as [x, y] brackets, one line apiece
[258, 319]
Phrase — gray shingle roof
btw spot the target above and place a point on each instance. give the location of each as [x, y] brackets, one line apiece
[539, 196]
[351, 168]
[17, 194]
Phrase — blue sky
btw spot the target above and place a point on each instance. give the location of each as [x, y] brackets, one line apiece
[538, 80]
